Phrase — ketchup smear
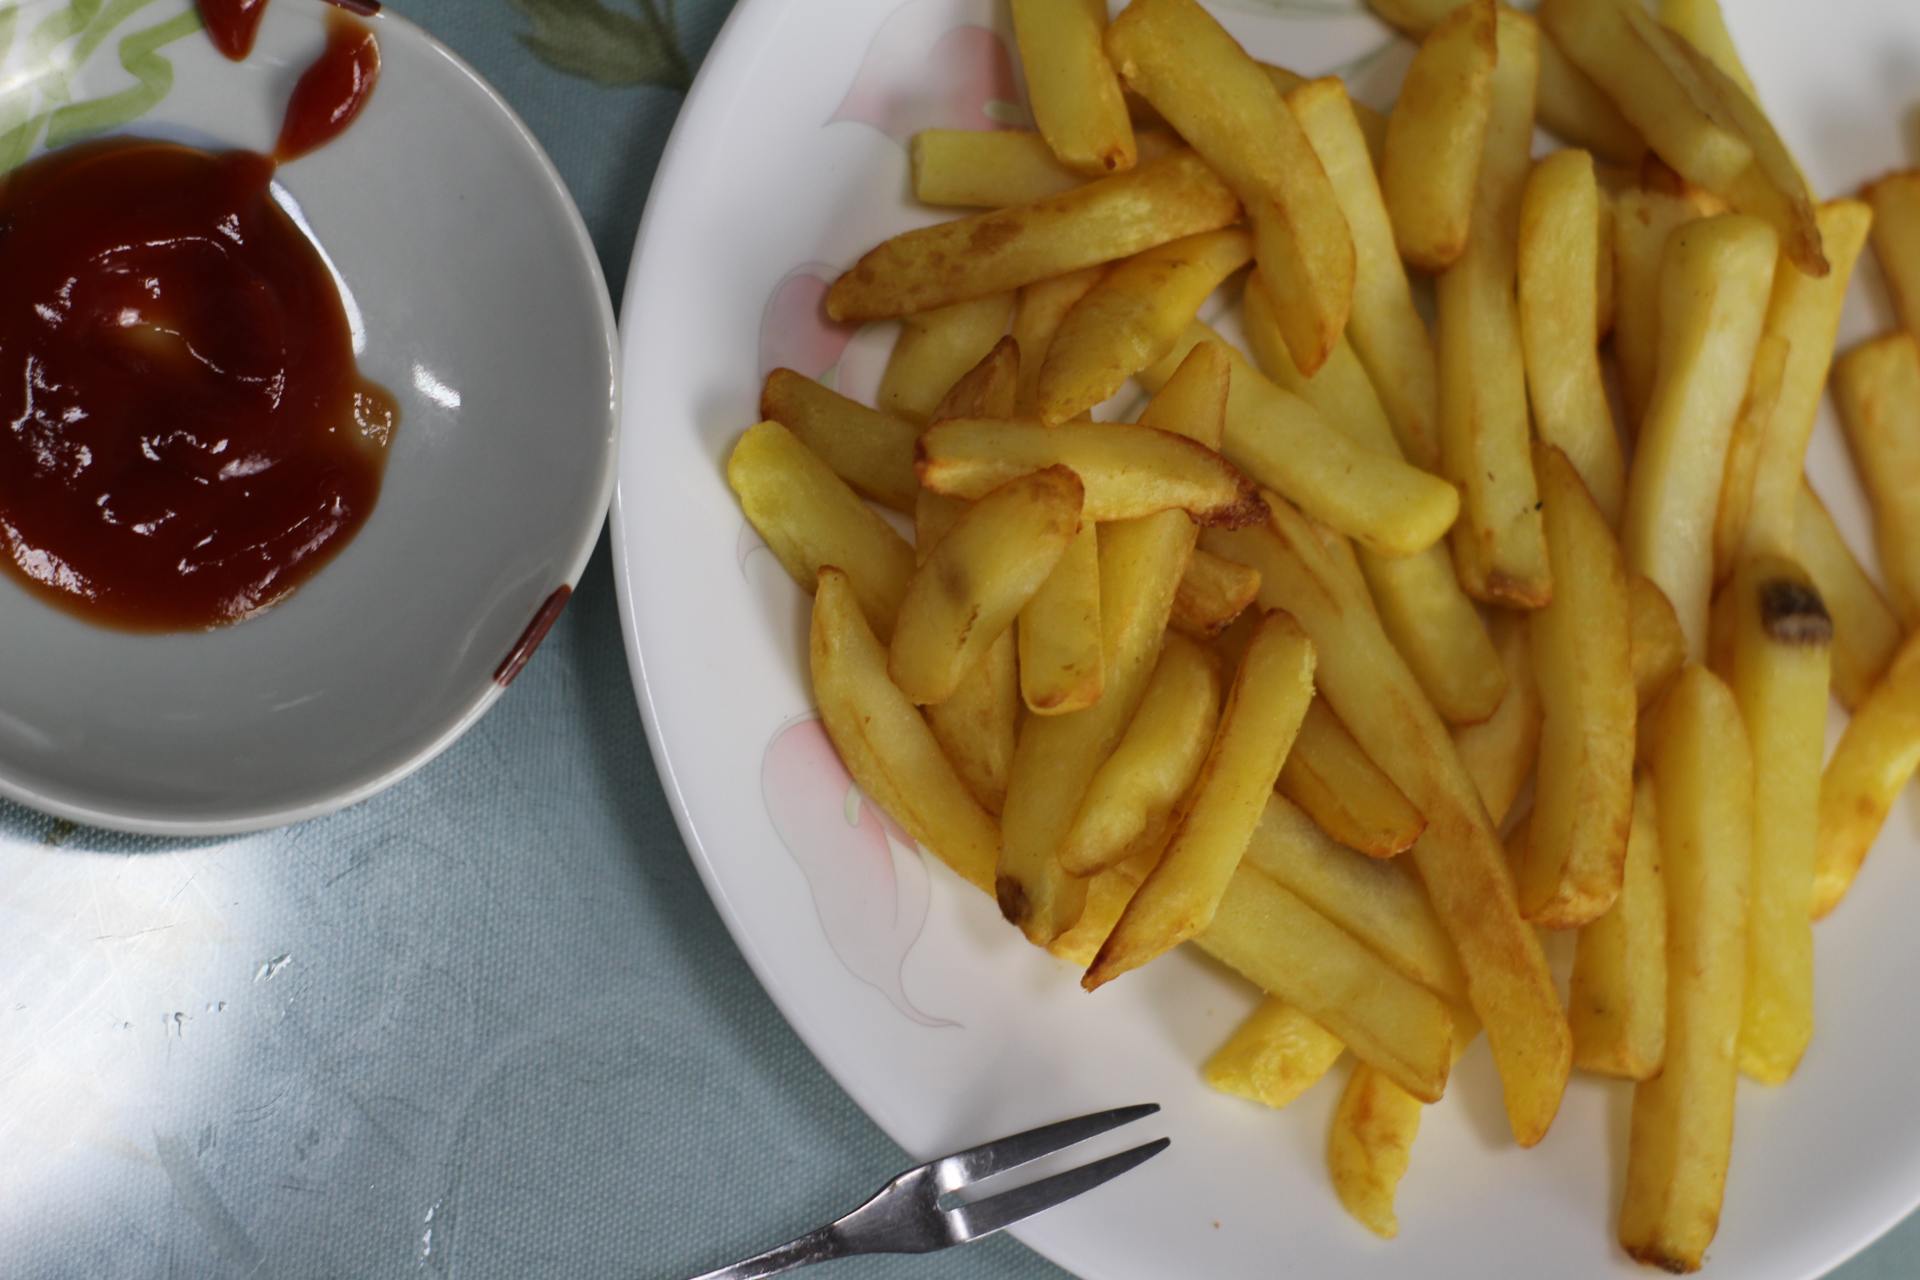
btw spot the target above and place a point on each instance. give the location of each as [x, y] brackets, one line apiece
[332, 92]
[232, 25]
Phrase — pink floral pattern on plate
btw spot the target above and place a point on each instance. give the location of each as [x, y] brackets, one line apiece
[922, 72]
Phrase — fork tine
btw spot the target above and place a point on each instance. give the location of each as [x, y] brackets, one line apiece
[984, 1217]
[981, 1162]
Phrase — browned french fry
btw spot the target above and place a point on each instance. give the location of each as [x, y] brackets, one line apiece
[1269, 696]
[1872, 765]
[1071, 86]
[1213, 592]
[1603, 265]
[994, 252]
[1643, 220]
[1876, 387]
[811, 519]
[1037, 312]
[1330, 777]
[1499, 752]
[870, 450]
[1895, 199]
[988, 390]
[1435, 135]
[1743, 452]
[936, 347]
[1174, 54]
[1617, 1003]
[1276, 1054]
[1061, 668]
[1865, 632]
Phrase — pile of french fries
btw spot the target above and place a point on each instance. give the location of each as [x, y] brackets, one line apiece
[1272, 668]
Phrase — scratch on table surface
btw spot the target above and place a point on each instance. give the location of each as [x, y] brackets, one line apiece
[122, 937]
[203, 1204]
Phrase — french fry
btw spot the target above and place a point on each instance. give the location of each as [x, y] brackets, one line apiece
[1805, 312]
[1371, 123]
[1895, 199]
[885, 744]
[1312, 573]
[989, 253]
[1276, 1054]
[1643, 220]
[1132, 317]
[1037, 312]
[1713, 287]
[1129, 470]
[996, 168]
[1876, 387]
[1583, 793]
[1370, 1142]
[1264, 707]
[1871, 766]
[1107, 895]
[870, 450]
[1701, 24]
[1213, 592]
[1330, 777]
[1059, 633]
[1429, 618]
[1499, 546]
[934, 348]
[1658, 645]
[988, 390]
[1295, 954]
[810, 518]
[1380, 903]
[1176, 56]
[1386, 330]
[1682, 1128]
[1499, 752]
[1781, 643]
[1617, 1002]
[1133, 794]
[1603, 287]
[1750, 428]
[1071, 86]
[1865, 632]
[976, 579]
[1435, 136]
[1141, 562]
[1560, 249]
[1283, 444]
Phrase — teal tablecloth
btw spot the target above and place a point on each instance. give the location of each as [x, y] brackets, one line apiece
[485, 1025]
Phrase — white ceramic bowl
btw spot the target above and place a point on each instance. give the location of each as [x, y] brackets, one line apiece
[480, 305]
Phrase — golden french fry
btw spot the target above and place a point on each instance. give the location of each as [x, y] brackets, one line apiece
[1876, 387]
[1701, 24]
[1264, 707]
[1107, 896]
[1276, 1054]
[1560, 249]
[1865, 632]
[1805, 312]
[1059, 633]
[1750, 428]
[976, 579]
[1499, 752]
[1129, 470]
[1499, 546]
[885, 744]
[1603, 266]
[995, 168]
[1583, 793]
[1132, 317]
[1682, 1128]
[994, 252]
[1435, 135]
[1141, 562]
[1213, 592]
[1781, 642]
[1295, 954]
[810, 518]
[1895, 199]
[934, 349]
[1713, 286]
[1429, 618]
[1371, 123]
[1176, 56]
[1380, 903]
[1642, 222]
[1658, 644]
[1617, 1002]
[988, 390]
[870, 450]
[1037, 313]
[1370, 1142]
[1311, 572]
[1070, 84]
[1133, 794]
[1385, 328]
[1870, 767]
[1330, 777]
[1282, 443]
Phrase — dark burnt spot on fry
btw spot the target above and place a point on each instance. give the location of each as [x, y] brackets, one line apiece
[992, 234]
[1012, 897]
[1793, 613]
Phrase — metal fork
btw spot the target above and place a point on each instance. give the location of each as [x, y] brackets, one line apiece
[905, 1215]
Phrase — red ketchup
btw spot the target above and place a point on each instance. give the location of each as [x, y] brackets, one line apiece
[332, 92]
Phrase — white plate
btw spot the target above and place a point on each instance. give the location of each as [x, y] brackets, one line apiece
[787, 163]
[480, 306]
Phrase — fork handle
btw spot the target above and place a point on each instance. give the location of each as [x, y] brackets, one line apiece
[822, 1245]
